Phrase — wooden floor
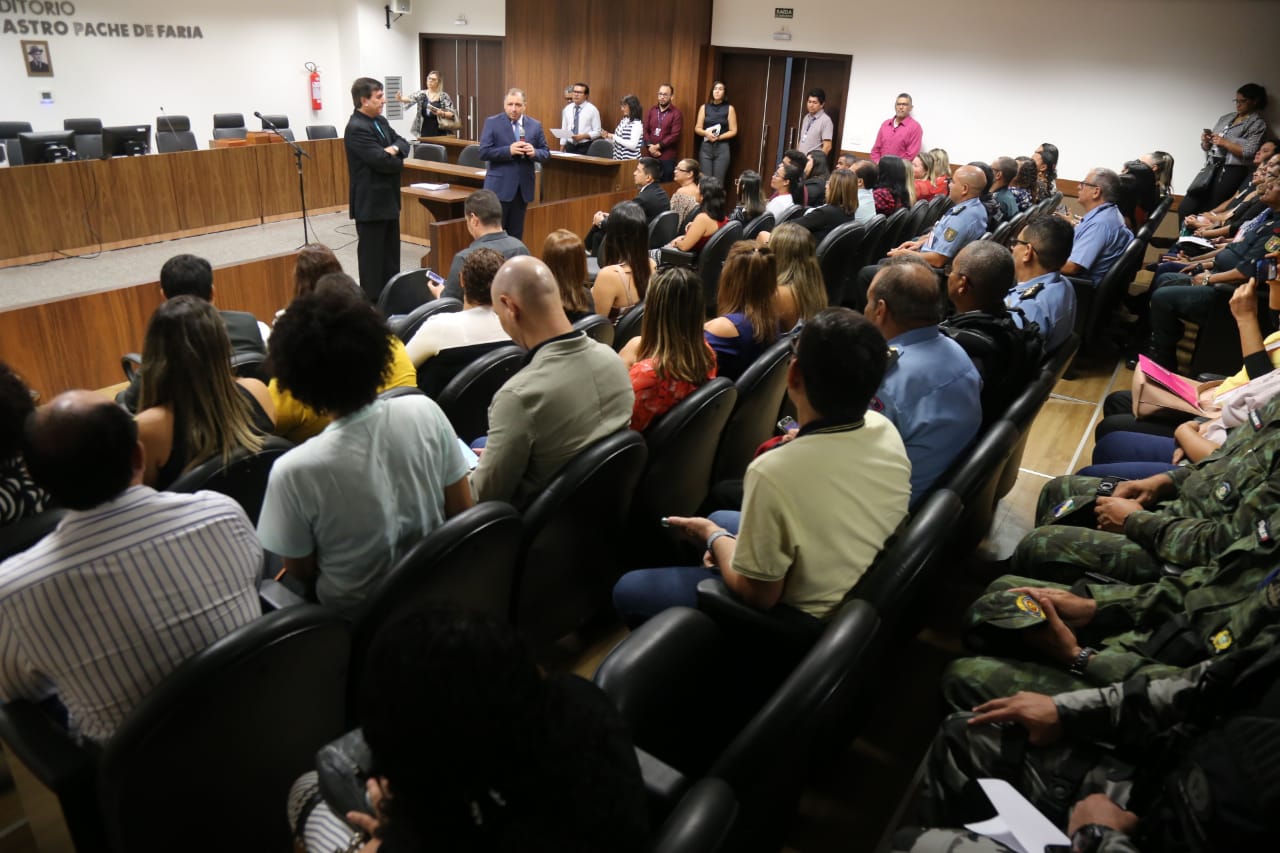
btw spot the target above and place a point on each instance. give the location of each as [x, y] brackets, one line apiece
[850, 808]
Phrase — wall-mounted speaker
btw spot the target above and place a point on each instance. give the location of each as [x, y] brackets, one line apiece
[402, 7]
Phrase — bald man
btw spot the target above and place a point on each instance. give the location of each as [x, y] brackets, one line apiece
[130, 583]
[963, 223]
[571, 391]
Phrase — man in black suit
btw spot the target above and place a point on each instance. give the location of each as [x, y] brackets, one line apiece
[375, 158]
[650, 196]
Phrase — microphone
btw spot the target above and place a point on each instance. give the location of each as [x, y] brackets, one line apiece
[267, 123]
[165, 116]
[520, 127]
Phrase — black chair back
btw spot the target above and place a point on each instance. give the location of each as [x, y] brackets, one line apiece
[430, 151]
[9, 131]
[711, 261]
[322, 131]
[597, 328]
[895, 228]
[836, 254]
[1002, 233]
[629, 326]
[760, 388]
[88, 133]
[975, 477]
[250, 365]
[243, 477]
[173, 133]
[405, 326]
[566, 566]
[437, 372]
[228, 731]
[404, 292]
[465, 400]
[281, 123]
[791, 214]
[871, 239]
[1015, 227]
[600, 148]
[682, 447]
[938, 205]
[470, 156]
[915, 221]
[229, 126]
[701, 821]
[662, 228]
[1022, 413]
[1109, 293]
[763, 222]
[18, 536]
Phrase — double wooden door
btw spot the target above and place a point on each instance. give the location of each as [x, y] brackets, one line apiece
[767, 90]
[473, 76]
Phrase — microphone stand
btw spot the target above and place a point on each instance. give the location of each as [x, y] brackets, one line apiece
[298, 154]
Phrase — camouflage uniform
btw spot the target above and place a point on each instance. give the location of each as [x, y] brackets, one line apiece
[1155, 628]
[1165, 725]
[1218, 500]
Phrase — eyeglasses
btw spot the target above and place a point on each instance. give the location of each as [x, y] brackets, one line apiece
[1087, 184]
[1016, 242]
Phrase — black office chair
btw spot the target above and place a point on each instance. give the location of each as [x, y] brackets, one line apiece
[568, 567]
[701, 822]
[597, 328]
[893, 234]
[760, 390]
[223, 731]
[173, 133]
[662, 228]
[468, 562]
[430, 151]
[404, 292]
[975, 477]
[711, 261]
[1098, 303]
[9, 131]
[88, 133]
[600, 148]
[250, 365]
[465, 400]
[229, 126]
[435, 374]
[1003, 233]
[282, 125]
[322, 131]
[914, 226]
[763, 222]
[682, 446]
[629, 326]
[1016, 225]
[243, 477]
[18, 536]
[835, 256]
[938, 205]
[405, 326]
[470, 156]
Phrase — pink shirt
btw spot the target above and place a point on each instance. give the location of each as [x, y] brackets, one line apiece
[902, 140]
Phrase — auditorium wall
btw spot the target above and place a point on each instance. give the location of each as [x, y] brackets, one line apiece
[1105, 81]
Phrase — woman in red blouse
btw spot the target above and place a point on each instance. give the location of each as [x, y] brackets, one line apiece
[671, 358]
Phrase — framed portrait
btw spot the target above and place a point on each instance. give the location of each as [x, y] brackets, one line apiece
[35, 55]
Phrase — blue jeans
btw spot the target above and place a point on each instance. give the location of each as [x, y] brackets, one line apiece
[644, 593]
[1131, 455]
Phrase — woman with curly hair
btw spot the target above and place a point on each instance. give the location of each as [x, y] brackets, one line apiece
[20, 497]
[191, 407]
[1046, 159]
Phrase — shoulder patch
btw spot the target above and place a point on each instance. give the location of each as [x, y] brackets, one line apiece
[1264, 532]
[1222, 640]
[1032, 291]
[949, 234]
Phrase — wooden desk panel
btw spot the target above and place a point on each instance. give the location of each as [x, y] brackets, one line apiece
[135, 200]
[215, 189]
[278, 177]
[32, 226]
[564, 176]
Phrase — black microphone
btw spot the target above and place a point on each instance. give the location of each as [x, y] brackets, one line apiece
[266, 121]
[167, 125]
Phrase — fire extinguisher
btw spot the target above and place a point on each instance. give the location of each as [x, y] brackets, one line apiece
[316, 103]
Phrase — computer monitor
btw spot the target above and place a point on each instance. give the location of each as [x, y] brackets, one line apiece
[49, 146]
[126, 140]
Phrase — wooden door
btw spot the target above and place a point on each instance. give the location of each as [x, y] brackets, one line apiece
[472, 70]
[753, 84]
[830, 75]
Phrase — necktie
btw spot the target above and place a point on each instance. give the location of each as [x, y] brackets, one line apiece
[515, 130]
[576, 109]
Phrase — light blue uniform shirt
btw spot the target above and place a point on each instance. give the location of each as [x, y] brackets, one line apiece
[932, 393]
[1051, 304]
[1100, 240]
[957, 228]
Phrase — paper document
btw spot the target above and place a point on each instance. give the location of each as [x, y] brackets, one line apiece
[429, 186]
[1017, 825]
[1195, 241]
[562, 134]
[1170, 380]
[714, 129]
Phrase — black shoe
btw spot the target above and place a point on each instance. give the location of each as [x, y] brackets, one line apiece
[1163, 242]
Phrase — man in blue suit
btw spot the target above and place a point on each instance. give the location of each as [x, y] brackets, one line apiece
[511, 143]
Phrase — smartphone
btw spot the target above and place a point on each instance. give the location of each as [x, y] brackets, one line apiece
[787, 424]
[435, 277]
[1266, 270]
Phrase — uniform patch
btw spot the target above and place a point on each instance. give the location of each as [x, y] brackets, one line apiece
[1063, 508]
[1027, 604]
[1273, 245]
[1255, 419]
[1222, 640]
[949, 234]
[1223, 490]
[1264, 532]
[1030, 292]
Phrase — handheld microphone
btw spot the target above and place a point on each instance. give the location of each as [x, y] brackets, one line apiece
[520, 125]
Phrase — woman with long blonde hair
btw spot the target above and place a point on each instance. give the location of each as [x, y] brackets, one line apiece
[191, 407]
[670, 359]
[802, 292]
[748, 320]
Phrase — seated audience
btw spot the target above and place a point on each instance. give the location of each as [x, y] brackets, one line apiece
[515, 760]
[192, 407]
[1005, 170]
[483, 213]
[802, 292]
[1006, 354]
[1044, 296]
[815, 511]
[315, 261]
[1137, 194]
[995, 215]
[1024, 183]
[931, 390]
[566, 256]
[670, 359]
[20, 497]
[1046, 159]
[788, 189]
[894, 188]
[751, 203]
[816, 171]
[190, 275]
[921, 166]
[131, 583]
[710, 217]
[939, 174]
[867, 174]
[344, 507]
[649, 195]
[1161, 165]
[538, 421]
[475, 323]
[625, 265]
[840, 207]
[685, 200]
[748, 321]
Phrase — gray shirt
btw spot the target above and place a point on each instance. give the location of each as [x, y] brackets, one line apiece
[499, 241]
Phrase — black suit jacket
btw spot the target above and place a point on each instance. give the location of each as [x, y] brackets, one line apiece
[821, 221]
[653, 198]
[375, 174]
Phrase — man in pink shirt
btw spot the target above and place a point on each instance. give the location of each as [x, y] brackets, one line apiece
[900, 135]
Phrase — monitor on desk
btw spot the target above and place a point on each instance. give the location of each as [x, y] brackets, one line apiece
[50, 146]
[126, 140]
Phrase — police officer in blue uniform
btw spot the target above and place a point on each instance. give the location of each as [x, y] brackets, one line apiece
[1042, 292]
[931, 390]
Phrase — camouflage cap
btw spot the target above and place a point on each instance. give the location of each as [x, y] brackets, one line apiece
[1006, 609]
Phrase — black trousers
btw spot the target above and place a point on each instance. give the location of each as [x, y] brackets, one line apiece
[513, 216]
[378, 253]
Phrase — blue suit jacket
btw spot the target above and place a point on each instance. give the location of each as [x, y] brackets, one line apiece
[506, 174]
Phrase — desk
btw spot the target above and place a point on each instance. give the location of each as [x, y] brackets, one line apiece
[564, 176]
[441, 204]
[416, 219]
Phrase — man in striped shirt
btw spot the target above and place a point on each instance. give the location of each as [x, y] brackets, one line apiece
[130, 584]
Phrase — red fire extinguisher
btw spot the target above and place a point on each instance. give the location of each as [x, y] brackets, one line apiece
[316, 103]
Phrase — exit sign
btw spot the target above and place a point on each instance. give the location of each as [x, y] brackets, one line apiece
[782, 12]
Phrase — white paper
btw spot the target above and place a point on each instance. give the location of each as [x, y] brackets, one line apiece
[1018, 825]
[1196, 241]
[714, 129]
[562, 134]
[429, 186]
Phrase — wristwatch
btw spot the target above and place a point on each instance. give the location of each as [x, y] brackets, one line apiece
[1206, 278]
[711, 540]
[1082, 660]
[1088, 838]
